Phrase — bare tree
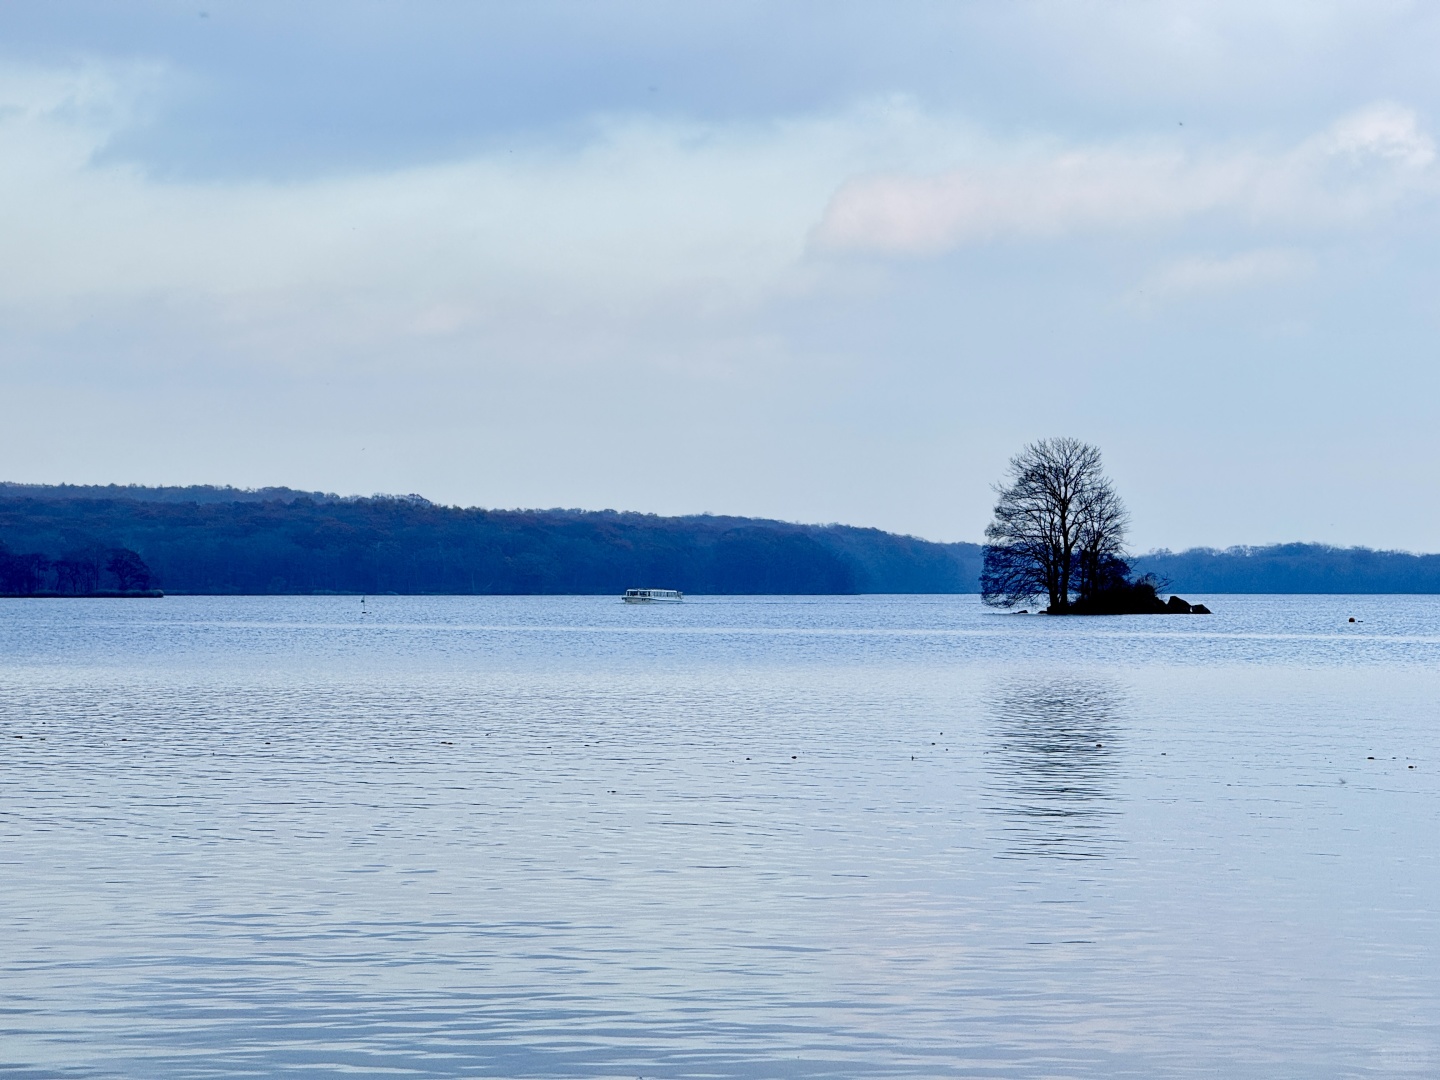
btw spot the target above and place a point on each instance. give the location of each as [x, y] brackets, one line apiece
[84, 566]
[22, 574]
[1100, 562]
[129, 570]
[1059, 527]
[68, 575]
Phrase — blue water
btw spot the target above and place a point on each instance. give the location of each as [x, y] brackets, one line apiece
[739, 837]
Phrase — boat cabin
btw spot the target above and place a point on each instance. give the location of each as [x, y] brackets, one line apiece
[652, 596]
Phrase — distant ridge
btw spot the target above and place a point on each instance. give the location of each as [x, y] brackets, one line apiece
[196, 493]
[276, 540]
[211, 539]
[1294, 568]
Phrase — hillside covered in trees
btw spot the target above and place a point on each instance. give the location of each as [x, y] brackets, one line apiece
[224, 540]
[1293, 568]
[277, 540]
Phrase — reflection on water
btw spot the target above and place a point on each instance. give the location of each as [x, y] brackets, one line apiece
[1054, 765]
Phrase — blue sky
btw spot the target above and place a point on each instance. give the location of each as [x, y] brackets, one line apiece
[824, 262]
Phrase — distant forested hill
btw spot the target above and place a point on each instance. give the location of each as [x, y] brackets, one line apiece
[1294, 568]
[277, 540]
[223, 540]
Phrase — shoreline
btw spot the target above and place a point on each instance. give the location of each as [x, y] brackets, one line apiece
[138, 594]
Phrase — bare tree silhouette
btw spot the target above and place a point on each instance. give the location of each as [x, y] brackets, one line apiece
[1059, 528]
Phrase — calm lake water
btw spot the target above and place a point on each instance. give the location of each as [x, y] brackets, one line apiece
[739, 837]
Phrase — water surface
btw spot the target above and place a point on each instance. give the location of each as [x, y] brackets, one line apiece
[739, 837]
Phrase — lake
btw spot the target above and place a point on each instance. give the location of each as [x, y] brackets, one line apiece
[737, 837]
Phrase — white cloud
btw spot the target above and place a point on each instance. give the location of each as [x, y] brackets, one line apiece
[1210, 274]
[641, 217]
[1366, 162]
[642, 242]
[645, 235]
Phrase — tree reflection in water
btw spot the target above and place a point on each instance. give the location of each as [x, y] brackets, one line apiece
[1053, 764]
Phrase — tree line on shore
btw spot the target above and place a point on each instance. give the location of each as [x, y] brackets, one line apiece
[301, 543]
[1294, 568]
[226, 540]
[83, 571]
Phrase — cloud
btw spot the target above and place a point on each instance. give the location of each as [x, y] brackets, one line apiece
[637, 237]
[627, 239]
[1209, 274]
[1365, 163]
[637, 219]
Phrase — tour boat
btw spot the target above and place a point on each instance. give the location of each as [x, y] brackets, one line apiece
[652, 596]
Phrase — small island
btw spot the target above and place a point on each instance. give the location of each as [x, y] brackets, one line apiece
[1059, 533]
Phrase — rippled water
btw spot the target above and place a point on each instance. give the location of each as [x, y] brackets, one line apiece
[741, 837]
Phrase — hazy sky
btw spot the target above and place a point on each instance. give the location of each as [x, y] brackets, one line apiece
[823, 262]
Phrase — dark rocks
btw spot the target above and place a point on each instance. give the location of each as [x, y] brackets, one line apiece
[1120, 598]
[1132, 598]
[1176, 606]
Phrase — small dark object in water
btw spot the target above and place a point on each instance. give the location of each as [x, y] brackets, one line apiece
[1352, 618]
[1410, 766]
[1098, 745]
[1370, 758]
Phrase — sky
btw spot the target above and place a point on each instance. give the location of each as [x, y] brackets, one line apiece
[819, 261]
